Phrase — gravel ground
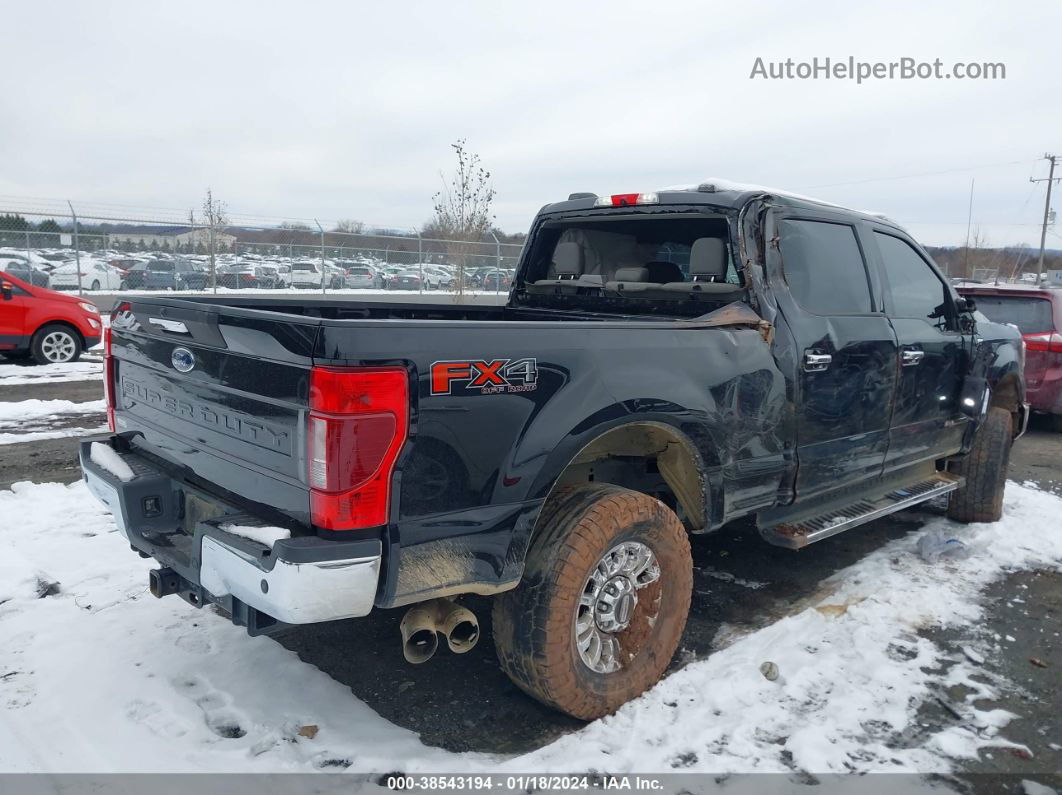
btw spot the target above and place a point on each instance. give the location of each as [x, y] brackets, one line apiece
[466, 703]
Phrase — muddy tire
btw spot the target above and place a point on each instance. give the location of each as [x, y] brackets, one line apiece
[55, 344]
[603, 601]
[985, 470]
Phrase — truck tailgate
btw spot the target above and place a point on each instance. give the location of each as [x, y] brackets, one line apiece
[219, 394]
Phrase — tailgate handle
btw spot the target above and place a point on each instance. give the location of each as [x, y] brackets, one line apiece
[175, 326]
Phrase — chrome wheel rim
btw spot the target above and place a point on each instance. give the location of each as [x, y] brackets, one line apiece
[609, 603]
[58, 346]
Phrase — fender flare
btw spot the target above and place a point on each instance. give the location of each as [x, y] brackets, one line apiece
[684, 470]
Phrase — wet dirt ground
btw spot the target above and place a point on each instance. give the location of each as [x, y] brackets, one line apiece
[465, 703]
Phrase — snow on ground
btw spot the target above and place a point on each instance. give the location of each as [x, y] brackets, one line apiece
[14, 413]
[84, 370]
[95, 675]
[33, 420]
[852, 669]
[40, 436]
[101, 676]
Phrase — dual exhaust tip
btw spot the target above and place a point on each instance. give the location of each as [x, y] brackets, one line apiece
[424, 623]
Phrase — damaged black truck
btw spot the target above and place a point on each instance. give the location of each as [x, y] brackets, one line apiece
[666, 363]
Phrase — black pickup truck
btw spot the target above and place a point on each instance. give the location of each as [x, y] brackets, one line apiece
[666, 363]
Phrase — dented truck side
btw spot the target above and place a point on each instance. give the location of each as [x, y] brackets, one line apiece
[662, 367]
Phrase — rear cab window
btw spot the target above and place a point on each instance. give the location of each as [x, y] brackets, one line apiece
[676, 264]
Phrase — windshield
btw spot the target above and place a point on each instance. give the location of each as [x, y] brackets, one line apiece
[1030, 314]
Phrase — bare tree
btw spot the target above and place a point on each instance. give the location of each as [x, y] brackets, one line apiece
[214, 213]
[463, 208]
[350, 227]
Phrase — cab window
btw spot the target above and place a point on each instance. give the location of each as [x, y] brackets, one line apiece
[915, 289]
[824, 267]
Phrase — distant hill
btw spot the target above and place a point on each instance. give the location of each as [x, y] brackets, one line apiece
[1010, 261]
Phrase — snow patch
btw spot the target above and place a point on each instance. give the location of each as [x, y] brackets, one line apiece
[104, 456]
[263, 535]
[84, 370]
[38, 436]
[21, 410]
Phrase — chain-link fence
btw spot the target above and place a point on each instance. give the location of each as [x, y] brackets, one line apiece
[104, 248]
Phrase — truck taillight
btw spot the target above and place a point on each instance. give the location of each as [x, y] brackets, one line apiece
[1048, 342]
[358, 422]
[108, 377]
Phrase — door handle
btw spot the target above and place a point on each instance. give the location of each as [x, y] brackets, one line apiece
[909, 357]
[816, 362]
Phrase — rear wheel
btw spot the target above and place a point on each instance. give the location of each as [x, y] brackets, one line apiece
[985, 470]
[1056, 422]
[603, 602]
[95, 285]
[55, 345]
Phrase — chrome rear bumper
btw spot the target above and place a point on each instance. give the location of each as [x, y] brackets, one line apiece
[298, 580]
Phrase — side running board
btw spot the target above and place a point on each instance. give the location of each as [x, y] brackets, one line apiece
[796, 535]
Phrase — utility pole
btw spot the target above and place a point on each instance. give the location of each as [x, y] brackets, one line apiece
[1047, 213]
[321, 229]
[76, 246]
[969, 221]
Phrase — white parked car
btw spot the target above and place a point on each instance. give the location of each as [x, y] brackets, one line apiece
[436, 276]
[283, 274]
[305, 274]
[95, 275]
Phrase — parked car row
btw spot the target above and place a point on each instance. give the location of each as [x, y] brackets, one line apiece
[111, 270]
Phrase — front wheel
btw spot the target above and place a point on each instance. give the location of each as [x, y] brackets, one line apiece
[95, 286]
[55, 345]
[985, 470]
[602, 604]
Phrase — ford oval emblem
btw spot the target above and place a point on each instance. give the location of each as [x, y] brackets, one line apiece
[183, 360]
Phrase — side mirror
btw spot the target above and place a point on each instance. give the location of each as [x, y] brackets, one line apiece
[966, 303]
[7, 290]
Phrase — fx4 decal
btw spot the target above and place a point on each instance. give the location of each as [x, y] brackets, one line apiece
[496, 376]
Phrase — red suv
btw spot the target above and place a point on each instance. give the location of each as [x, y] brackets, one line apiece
[1038, 314]
[48, 326]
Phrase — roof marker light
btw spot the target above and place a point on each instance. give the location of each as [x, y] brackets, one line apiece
[627, 199]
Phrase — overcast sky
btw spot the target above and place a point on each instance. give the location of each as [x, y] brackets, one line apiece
[346, 110]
